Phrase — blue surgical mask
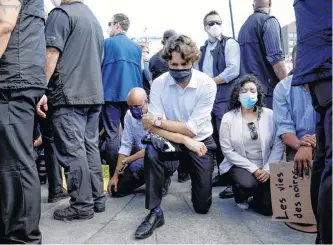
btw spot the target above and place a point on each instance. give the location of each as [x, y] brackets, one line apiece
[136, 112]
[248, 100]
[181, 76]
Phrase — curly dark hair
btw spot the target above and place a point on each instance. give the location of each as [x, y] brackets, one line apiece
[239, 83]
[183, 45]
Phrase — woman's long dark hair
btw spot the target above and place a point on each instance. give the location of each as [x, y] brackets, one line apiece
[239, 83]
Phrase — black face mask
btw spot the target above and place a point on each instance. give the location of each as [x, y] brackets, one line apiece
[136, 112]
[181, 76]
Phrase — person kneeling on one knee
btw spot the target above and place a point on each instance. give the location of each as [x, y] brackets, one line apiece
[129, 173]
[250, 144]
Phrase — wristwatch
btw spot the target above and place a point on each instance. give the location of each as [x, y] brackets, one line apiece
[124, 163]
[158, 122]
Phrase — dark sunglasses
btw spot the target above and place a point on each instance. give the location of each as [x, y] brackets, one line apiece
[213, 22]
[253, 130]
[110, 23]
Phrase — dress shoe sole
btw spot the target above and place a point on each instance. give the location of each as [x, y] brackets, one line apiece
[157, 225]
[76, 217]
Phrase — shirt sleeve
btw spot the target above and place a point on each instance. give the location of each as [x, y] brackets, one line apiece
[155, 105]
[202, 110]
[127, 138]
[272, 41]
[232, 59]
[281, 108]
[57, 29]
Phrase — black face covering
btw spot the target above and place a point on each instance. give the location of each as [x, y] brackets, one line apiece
[181, 76]
[136, 112]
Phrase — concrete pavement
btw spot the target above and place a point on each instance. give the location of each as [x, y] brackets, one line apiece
[224, 224]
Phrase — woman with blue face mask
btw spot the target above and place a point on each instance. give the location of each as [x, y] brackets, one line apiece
[249, 143]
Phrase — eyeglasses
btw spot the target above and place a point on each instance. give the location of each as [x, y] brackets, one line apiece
[253, 130]
[213, 22]
[111, 23]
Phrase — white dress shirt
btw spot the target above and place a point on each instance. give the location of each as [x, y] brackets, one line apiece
[192, 105]
[133, 133]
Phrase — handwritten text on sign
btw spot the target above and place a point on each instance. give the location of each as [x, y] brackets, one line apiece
[291, 200]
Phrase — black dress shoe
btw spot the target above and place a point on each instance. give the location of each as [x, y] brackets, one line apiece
[147, 227]
[227, 193]
[183, 177]
[67, 214]
[165, 190]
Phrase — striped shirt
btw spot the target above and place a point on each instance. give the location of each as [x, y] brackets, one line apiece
[272, 41]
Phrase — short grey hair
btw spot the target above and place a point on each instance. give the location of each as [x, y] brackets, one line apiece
[122, 20]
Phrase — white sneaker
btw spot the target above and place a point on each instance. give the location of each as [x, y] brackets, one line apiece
[243, 205]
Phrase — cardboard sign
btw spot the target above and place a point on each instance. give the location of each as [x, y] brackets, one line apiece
[291, 199]
[106, 177]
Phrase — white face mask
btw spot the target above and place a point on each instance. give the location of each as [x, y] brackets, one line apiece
[215, 31]
[56, 3]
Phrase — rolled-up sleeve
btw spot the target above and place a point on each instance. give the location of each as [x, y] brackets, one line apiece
[232, 59]
[203, 109]
[127, 138]
[272, 41]
[281, 108]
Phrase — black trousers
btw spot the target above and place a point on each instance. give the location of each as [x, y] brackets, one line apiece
[321, 181]
[200, 169]
[245, 185]
[53, 167]
[20, 204]
[76, 138]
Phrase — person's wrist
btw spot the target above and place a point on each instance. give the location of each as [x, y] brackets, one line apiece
[185, 138]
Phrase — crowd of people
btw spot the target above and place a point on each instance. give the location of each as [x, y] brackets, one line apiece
[80, 100]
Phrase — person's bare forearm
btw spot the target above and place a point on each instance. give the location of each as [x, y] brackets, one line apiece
[280, 70]
[9, 11]
[119, 165]
[136, 156]
[291, 140]
[176, 127]
[174, 137]
[52, 56]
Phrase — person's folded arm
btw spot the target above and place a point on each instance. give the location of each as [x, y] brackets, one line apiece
[228, 150]
[9, 11]
[232, 59]
[174, 137]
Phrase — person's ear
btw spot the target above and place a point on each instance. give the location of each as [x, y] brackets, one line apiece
[163, 42]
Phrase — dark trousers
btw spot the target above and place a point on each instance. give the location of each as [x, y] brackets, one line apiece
[321, 181]
[245, 185]
[216, 122]
[76, 138]
[200, 169]
[113, 113]
[53, 167]
[20, 194]
[132, 179]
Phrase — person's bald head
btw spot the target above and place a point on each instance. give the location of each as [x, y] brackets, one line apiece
[138, 97]
[263, 5]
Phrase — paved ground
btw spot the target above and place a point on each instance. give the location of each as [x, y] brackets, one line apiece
[224, 224]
